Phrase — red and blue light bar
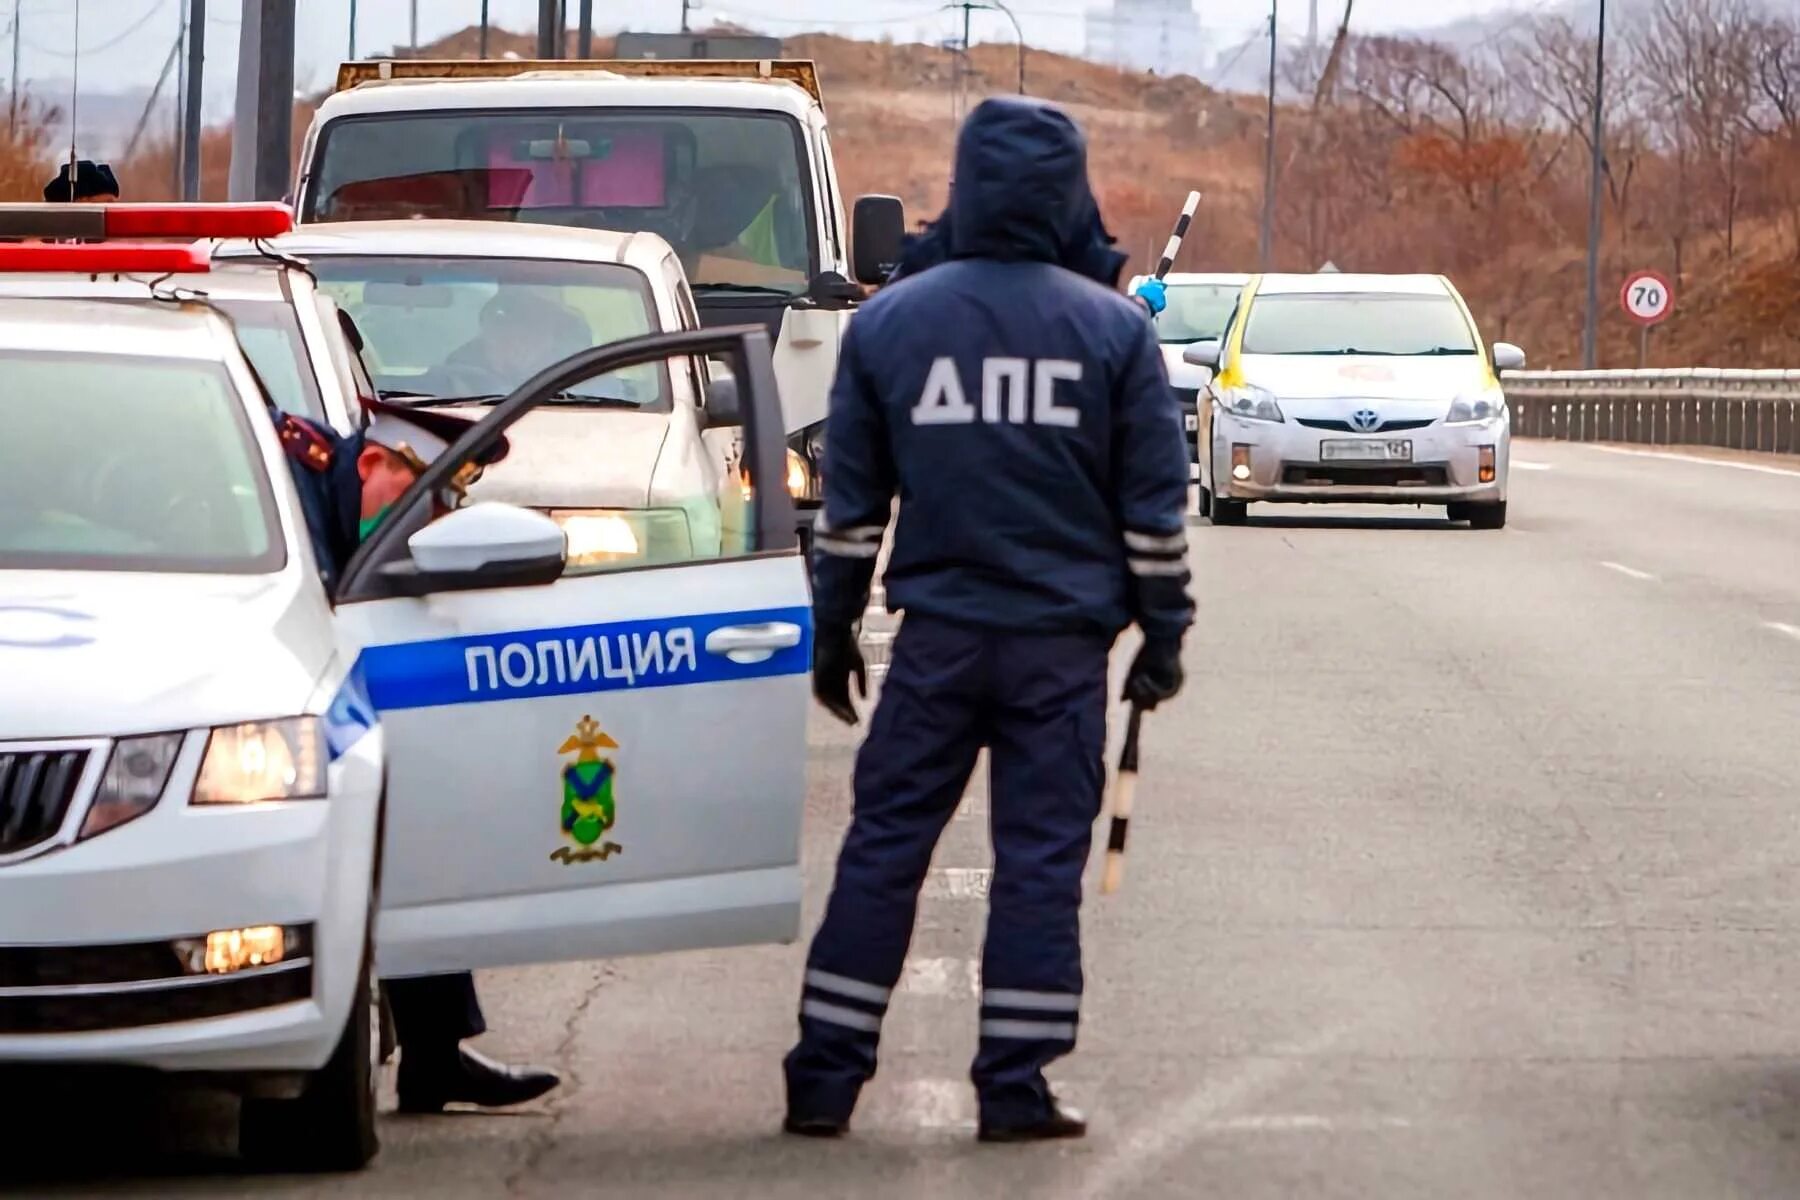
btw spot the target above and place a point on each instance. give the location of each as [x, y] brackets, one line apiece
[108, 222]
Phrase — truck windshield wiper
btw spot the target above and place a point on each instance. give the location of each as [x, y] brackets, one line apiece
[403, 394]
[560, 398]
[746, 289]
[1444, 350]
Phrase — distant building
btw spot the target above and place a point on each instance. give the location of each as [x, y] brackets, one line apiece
[696, 45]
[1147, 35]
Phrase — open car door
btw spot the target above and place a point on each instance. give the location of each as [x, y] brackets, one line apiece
[589, 754]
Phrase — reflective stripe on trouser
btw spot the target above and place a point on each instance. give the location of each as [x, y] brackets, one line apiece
[1039, 703]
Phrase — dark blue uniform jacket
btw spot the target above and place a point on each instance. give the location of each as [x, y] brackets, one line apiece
[1018, 407]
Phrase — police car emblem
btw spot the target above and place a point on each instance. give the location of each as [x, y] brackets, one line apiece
[587, 806]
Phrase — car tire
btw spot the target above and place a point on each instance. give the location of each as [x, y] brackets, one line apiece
[1229, 512]
[331, 1125]
[1488, 516]
[1203, 501]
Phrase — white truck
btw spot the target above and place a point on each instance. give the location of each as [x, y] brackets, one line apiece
[728, 161]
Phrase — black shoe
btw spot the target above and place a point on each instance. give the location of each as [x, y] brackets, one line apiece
[814, 1127]
[468, 1078]
[1059, 1122]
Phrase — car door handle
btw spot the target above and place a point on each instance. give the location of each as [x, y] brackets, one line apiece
[753, 643]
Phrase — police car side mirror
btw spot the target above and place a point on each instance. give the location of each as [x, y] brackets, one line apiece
[724, 407]
[485, 545]
[1508, 357]
[877, 235]
[1203, 353]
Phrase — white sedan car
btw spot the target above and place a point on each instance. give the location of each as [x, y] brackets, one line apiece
[1199, 305]
[229, 799]
[1335, 388]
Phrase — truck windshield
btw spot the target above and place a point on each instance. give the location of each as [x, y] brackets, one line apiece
[728, 190]
[117, 463]
[1357, 323]
[476, 328]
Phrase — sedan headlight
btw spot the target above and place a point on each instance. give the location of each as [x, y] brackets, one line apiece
[1251, 403]
[136, 773]
[598, 537]
[1475, 408]
[263, 760]
[799, 476]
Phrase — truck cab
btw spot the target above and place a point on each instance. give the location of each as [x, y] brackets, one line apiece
[729, 162]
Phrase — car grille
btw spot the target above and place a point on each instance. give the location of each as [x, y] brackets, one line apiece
[192, 999]
[36, 789]
[1345, 427]
[1364, 475]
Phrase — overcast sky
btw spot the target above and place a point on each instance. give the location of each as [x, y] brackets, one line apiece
[124, 43]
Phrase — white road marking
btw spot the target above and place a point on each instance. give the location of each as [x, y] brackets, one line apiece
[958, 977]
[1758, 468]
[1792, 631]
[1622, 569]
[958, 883]
[1520, 464]
[1178, 1125]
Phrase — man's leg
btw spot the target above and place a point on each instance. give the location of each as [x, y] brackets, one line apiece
[432, 1016]
[910, 773]
[1047, 743]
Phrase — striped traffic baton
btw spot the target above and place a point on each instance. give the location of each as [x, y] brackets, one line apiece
[1124, 790]
[1181, 227]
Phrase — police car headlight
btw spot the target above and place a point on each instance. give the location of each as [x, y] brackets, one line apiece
[263, 760]
[1252, 403]
[136, 773]
[1476, 407]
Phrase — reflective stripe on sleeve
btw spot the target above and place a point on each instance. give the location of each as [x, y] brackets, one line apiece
[1056, 1031]
[843, 985]
[844, 549]
[1030, 1001]
[1156, 543]
[1157, 566]
[853, 533]
[833, 1014]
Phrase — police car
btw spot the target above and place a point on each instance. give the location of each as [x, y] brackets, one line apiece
[1335, 388]
[292, 332]
[228, 799]
[457, 313]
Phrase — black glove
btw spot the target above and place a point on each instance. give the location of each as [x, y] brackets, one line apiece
[835, 659]
[1155, 673]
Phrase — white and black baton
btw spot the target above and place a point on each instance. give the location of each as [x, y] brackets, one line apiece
[1181, 227]
[1124, 790]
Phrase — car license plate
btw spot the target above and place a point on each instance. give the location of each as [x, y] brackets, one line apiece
[1358, 450]
[1193, 422]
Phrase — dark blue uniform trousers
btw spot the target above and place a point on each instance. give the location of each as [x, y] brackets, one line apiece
[1038, 704]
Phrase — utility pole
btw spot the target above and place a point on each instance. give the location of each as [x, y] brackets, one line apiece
[685, 5]
[584, 38]
[1268, 213]
[262, 135]
[13, 118]
[550, 29]
[190, 112]
[352, 54]
[1590, 328]
[414, 28]
[482, 53]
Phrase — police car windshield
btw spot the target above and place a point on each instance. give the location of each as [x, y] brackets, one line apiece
[728, 190]
[272, 341]
[1389, 323]
[1196, 311]
[116, 463]
[463, 328]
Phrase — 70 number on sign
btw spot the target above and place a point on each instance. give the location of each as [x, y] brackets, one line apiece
[1647, 298]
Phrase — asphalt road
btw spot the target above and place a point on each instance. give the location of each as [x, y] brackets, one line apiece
[1465, 867]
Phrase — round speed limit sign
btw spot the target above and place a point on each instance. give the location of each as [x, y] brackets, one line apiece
[1647, 297]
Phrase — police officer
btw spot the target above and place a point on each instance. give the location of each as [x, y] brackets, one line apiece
[93, 183]
[347, 485]
[1018, 406]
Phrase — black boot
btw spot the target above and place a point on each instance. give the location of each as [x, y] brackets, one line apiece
[1060, 1122]
[428, 1082]
[814, 1127]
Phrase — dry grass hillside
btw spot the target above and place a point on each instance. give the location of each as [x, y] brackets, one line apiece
[1408, 159]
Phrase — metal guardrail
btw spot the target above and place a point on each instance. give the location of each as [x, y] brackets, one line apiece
[1687, 406]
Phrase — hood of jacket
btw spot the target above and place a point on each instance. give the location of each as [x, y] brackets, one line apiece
[1019, 194]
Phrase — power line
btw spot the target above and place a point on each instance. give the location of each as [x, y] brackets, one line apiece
[123, 36]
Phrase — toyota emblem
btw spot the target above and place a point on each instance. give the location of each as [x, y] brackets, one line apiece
[1365, 420]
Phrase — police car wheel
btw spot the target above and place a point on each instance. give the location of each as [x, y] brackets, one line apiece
[330, 1126]
[1488, 516]
[1229, 512]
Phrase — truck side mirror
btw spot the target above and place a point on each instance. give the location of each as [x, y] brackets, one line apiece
[724, 408]
[877, 233]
